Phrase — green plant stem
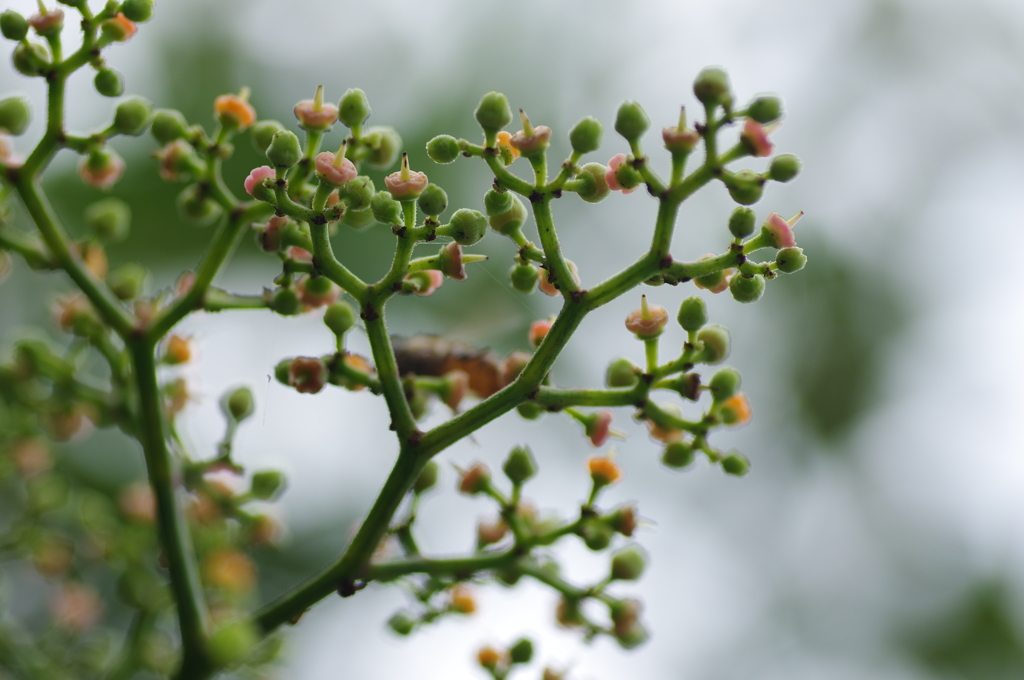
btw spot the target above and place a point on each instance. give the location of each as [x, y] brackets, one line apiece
[566, 398]
[442, 567]
[552, 249]
[329, 266]
[171, 524]
[402, 420]
[56, 240]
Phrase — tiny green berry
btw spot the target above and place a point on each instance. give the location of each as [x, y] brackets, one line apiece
[741, 222]
[711, 87]
[784, 167]
[340, 318]
[137, 10]
[13, 25]
[466, 227]
[677, 455]
[108, 82]
[716, 344]
[286, 302]
[746, 289]
[521, 651]
[109, 219]
[621, 373]
[736, 464]
[596, 534]
[693, 314]
[267, 484]
[493, 113]
[586, 135]
[30, 58]
[239, 404]
[596, 187]
[284, 150]
[433, 200]
[790, 260]
[386, 209]
[169, 125]
[631, 121]
[520, 465]
[765, 109]
[353, 108]
[402, 623]
[261, 134]
[126, 281]
[443, 149]
[746, 187]
[724, 384]
[15, 115]
[132, 116]
[628, 564]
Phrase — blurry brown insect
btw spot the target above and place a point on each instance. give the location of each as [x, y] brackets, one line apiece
[435, 355]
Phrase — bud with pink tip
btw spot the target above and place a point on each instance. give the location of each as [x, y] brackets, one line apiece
[451, 261]
[406, 185]
[648, 322]
[334, 168]
[314, 114]
[254, 182]
[47, 22]
[755, 137]
[775, 233]
[531, 141]
[101, 168]
[598, 427]
[680, 139]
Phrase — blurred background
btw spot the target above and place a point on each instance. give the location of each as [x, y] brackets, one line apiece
[880, 532]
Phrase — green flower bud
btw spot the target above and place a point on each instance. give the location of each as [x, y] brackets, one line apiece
[530, 410]
[137, 10]
[621, 373]
[510, 221]
[627, 176]
[736, 464]
[493, 112]
[262, 133]
[746, 289]
[239, 404]
[746, 187]
[586, 135]
[784, 167]
[520, 465]
[168, 125]
[693, 314]
[13, 25]
[711, 87]
[523, 277]
[741, 222]
[716, 344]
[790, 260]
[233, 642]
[132, 116]
[631, 121]
[267, 484]
[433, 200]
[765, 109]
[286, 302]
[15, 114]
[384, 146]
[197, 207]
[386, 209]
[109, 219]
[126, 281]
[467, 227]
[30, 58]
[357, 194]
[596, 188]
[427, 477]
[443, 149]
[284, 150]
[521, 651]
[725, 383]
[677, 455]
[340, 318]
[353, 108]
[628, 564]
[497, 202]
[401, 623]
[596, 535]
[108, 82]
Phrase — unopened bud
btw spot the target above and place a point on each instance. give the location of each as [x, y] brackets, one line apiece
[790, 260]
[267, 485]
[596, 535]
[239, 404]
[520, 465]
[631, 121]
[137, 10]
[383, 144]
[521, 651]
[585, 136]
[741, 222]
[13, 25]
[353, 108]
[386, 209]
[746, 187]
[126, 281]
[30, 58]
[628, 564]
[621, 373]
[715, 340]
[746, 289]
[784, 167]
[693, 314]
[523, 277]
[493, 112]
[594, 177]
[109, 219]
[340, 318]
[677, 454]
[443, 149]
[286, 302]
[711, 87]
[736, 464]
[284, 150]
[262, 133]
[765, 109]
[168, 125]
[433, 200]
[402, 623]
[196, 206]
[15, 115]
[108, 82]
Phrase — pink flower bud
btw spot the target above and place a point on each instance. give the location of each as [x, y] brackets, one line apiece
[425, 282]
[755, 136]
[598, 427]
[49, 22]
[451, 262]
[333, 172]
[531, 140]
[647, 322]
[258, 175]
[781, 231]
[314, 114]
[546, 286]
[609, 176]
[539, 331]
[101, 169]
[405, 185]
